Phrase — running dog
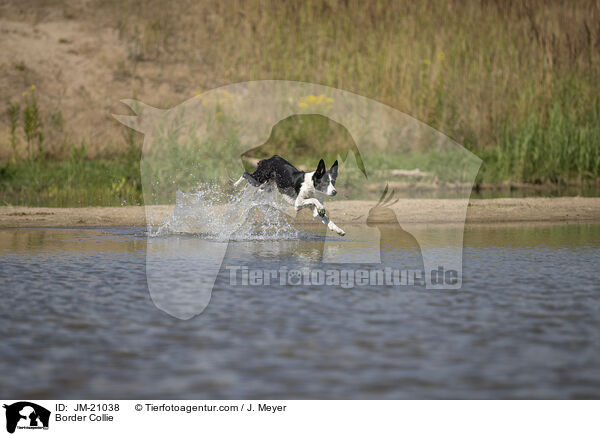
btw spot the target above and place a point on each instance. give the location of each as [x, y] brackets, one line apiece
[297, 187]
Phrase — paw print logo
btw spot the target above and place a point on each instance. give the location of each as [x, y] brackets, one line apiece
[294, 277]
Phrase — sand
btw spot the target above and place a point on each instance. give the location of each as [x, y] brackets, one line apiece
[492, 211]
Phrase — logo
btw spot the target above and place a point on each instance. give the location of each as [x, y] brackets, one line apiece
[26, 415]
[194, 152]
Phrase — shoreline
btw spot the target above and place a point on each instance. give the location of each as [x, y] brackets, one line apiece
[445, 211]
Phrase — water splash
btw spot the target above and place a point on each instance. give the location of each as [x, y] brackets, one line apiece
[248, 214]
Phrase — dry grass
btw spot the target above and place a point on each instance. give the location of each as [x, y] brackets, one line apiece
[466, 68]
[497, 76]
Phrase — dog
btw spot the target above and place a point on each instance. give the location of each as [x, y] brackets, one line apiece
[297, 187]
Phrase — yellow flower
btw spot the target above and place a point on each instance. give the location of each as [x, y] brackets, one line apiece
[198, 94]
[442, 56]
[315, 100]
[33, 87]
[426, 61]
[25, 94]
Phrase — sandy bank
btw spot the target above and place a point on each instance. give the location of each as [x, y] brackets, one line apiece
[504, 210]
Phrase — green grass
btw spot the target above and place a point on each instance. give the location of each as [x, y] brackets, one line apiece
[532, 152]
[75, 182]
[559, 147]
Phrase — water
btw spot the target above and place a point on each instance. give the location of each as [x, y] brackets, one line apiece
[78, 322]
[248, 214]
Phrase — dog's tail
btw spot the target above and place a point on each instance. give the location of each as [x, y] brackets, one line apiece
[250, 178]
[240, 180]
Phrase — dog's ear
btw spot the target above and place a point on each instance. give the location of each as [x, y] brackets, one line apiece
[334, 170]
[320, 172]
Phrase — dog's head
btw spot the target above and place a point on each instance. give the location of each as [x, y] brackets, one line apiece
[324, 180]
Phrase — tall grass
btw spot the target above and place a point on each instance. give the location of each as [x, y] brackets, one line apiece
[557, 148]
[515, 81]
[476, 70]
[109, 180]
[71, 182]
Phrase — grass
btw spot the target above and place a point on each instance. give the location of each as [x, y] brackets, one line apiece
[560, 148]
[514, 81]
[72, 182]
[184, 161]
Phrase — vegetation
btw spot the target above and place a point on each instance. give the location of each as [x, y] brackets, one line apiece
[72, 182]
[515, 81]
[69, 178]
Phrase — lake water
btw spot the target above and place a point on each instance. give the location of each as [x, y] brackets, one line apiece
[78, 322]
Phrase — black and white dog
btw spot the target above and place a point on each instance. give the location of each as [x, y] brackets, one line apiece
[297, 187]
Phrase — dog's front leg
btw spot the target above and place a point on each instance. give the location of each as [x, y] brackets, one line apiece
[301, 203]
[330, 224]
